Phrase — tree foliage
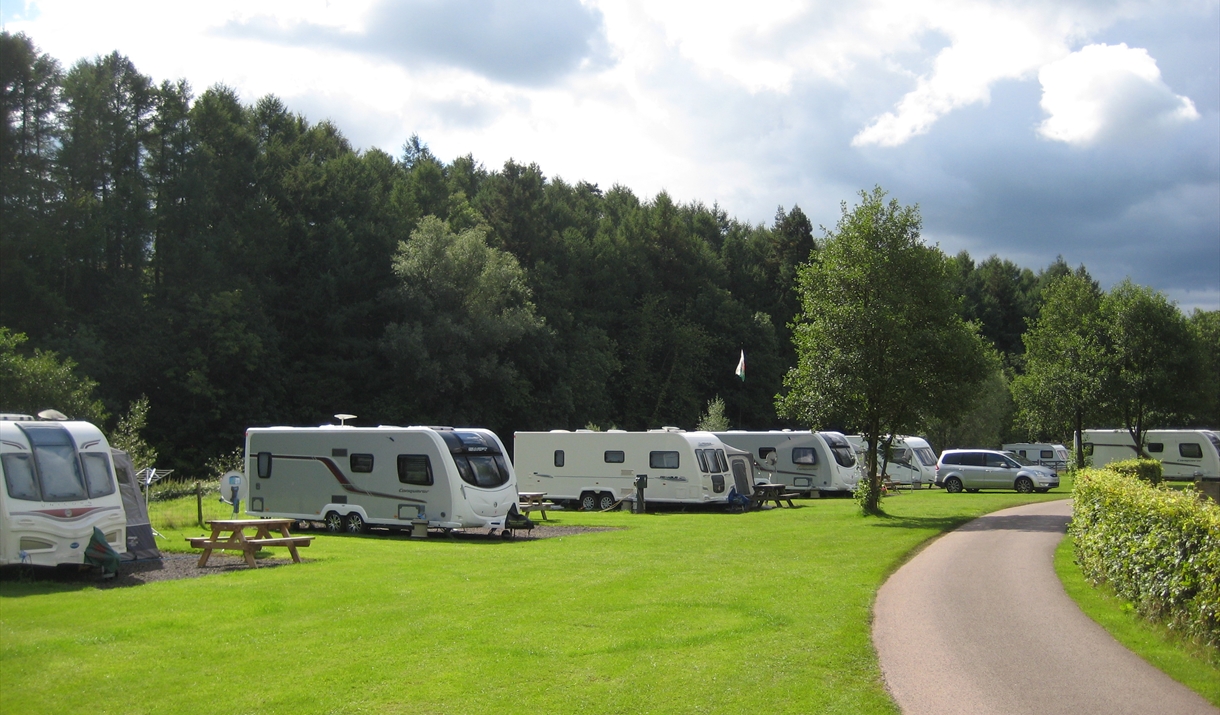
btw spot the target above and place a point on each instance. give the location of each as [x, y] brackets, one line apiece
[881, 347]
[1149, 362]
[32, 383]
[1060, 391]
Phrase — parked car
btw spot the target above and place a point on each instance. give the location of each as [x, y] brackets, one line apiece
[975, 469]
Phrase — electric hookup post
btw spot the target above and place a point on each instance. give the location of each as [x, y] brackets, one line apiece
[234, 485]
[641, 483]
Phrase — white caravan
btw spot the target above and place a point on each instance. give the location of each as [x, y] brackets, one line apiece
[58, 485]
[913, 460]
[1184, 454]
[354, 477]
[805, 461]
[1054, 456]
[597, 469]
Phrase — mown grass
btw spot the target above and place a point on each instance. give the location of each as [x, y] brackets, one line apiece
[1189, 664]
[669, 613]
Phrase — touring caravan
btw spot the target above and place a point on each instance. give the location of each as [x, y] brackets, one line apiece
[1184, 454]
[351, 478]
[1054, 456]
[805, 461]
[912, 460]
[597, 469]
[58, 486]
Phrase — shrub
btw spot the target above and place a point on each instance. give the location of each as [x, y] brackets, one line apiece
[1158, 548]
[1149, 470]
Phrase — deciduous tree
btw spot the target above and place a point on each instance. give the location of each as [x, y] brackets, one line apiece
[880, 344]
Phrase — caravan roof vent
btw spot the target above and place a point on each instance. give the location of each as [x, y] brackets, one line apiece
[343, 418]
[52, 415]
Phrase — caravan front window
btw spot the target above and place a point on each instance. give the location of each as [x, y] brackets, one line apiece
[926, 455]
[840, 449]
[19, 477]
[97, 474]
[482, 470]
[55, 463]
[701, 455]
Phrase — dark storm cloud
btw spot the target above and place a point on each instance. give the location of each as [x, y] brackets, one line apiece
[524, 42]
[1146, 207]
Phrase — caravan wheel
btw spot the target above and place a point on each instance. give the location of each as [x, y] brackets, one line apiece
[605, 501]
[334, 522]
[355, 523]
[588, 501]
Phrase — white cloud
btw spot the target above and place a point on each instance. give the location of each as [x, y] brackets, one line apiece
[1107, 90]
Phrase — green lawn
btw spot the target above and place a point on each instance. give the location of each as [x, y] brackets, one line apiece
[1184, 662]
[677, 612]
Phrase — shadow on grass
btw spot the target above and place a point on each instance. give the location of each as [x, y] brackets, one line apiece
[934, 523]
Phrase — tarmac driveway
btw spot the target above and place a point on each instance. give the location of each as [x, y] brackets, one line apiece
[979, 623]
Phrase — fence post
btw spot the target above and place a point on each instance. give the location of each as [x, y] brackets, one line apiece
[199, 503]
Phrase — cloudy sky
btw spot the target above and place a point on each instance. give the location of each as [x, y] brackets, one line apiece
[1084, 128]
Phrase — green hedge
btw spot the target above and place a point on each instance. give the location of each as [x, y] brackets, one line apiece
[1159, 548]
[1149, 470]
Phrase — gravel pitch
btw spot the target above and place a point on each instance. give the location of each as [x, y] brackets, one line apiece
[174, 566]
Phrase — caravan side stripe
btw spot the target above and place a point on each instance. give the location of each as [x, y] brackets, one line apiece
[65, 514]
[345, 482]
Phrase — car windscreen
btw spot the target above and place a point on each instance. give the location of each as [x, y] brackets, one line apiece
[1019, 459]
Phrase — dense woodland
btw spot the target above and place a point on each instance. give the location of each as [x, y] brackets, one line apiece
[241, 266]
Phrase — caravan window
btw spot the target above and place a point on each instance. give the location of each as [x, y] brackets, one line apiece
[97, 474]
[804, 455]
[414, 469]
[1190, 450]
[1156, 447]
[764, 452]
[482, 470]
[361, 462]
[701, 455]
[663, 460]
[1047, 454]
[614, 456]
[724, 463]
[926, 455]
[264, 465]
[56, 465]
[19, 477]
[559, 458]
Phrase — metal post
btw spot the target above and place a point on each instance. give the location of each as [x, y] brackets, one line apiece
[199, 503]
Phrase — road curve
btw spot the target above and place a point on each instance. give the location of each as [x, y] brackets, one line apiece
[979, 623]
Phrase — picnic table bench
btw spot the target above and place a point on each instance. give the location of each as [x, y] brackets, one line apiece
[236, 539]
[528, 501]
[777, 493]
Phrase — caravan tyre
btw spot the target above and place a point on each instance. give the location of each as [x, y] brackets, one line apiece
[304, 525]
[334, 522]
[605, 501]
[588, 501]
[355, 523]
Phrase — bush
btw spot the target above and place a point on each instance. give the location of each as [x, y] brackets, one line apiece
[1148, 470]
[1158, 548]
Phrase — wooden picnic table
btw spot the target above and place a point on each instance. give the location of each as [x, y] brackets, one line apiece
[765, 492]
[266, 532]
[527, 501]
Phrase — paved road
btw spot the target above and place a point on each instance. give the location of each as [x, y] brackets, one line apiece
[978, 623]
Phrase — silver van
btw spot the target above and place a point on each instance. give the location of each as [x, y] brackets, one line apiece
[975, 469]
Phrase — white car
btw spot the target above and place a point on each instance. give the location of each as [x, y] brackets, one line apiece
[975, 469]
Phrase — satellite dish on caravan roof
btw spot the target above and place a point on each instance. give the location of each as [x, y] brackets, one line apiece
[343, 418]
[52, 415]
